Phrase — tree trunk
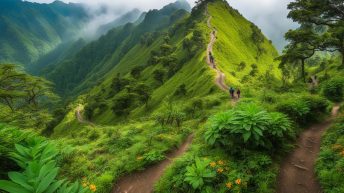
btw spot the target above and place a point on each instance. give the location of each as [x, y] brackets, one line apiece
[303, 70]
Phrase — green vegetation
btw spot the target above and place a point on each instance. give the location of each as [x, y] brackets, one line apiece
[133, 96]
[330, 162]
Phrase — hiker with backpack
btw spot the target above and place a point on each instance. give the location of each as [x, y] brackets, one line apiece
[238, 93]
[231, 92]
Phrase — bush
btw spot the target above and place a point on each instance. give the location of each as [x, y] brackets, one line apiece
[250, 126]
[333, 89]
[303, 109]
[330, 164]
[37, 160]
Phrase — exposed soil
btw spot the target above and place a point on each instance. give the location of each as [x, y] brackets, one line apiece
[143, 181]
[80, 118]
[220, 77]
[297, 173]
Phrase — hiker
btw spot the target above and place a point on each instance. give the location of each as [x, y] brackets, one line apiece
[238, 93]
[232, 91]
[212, 59]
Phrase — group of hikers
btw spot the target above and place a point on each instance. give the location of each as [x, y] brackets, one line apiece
[232, 92]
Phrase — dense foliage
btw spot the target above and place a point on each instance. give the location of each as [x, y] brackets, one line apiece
[330, 164]
[248, 126]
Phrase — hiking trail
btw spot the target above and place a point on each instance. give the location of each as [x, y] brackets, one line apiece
[220, 77]
[143, 181]
[79, 116]
[297, 172]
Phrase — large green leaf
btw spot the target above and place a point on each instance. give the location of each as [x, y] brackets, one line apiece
[20, 179]
[12, 187]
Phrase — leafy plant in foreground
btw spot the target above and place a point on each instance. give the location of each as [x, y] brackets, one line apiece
[39, 171]
[248, 125]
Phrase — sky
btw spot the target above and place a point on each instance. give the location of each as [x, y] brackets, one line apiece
[269, 15]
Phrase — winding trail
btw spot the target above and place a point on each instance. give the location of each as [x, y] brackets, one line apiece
[80, 118]
[220, 77]
[143, 181]
[297, 173]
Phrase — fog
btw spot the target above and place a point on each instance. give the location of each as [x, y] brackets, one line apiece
[269, 15]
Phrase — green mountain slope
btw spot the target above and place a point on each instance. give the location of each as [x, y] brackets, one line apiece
[127, 95]
[89, 66]
[30, 30]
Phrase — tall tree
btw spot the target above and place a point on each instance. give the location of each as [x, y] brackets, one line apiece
[327, 14]
[303, 43]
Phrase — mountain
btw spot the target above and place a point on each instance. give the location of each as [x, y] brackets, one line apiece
[30, 30]
[88, 67]
[170, 58]
[129, 17]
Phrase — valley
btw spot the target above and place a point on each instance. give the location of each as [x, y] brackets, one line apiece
[180, 99]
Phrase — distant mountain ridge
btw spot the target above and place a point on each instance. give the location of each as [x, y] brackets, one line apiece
[30, 30]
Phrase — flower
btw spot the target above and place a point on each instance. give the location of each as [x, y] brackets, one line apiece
[93, 188]
[220, 170]
[229, 185]
[212, 164]
[139, 158]
[238, 181]
[342, 153]
[220, 162]
[337, 147]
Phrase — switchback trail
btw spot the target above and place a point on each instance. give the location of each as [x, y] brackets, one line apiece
[143, 181]
[80, 118]
[220, 77]
[297, 173]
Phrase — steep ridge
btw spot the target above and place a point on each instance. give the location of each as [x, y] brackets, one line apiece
[30, 30]
[220, 77]
[88, 67]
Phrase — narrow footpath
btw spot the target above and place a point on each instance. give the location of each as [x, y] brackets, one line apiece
[143, 181]
[220, 77]
[297, 173]
[80, 118]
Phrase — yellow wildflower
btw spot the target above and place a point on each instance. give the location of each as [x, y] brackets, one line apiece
[93, 188]
[342, 153]
[238, 181]
[139, 158]
[213, 164]
[337, 147]
[220, 170]
[229, 185]
[220, 162]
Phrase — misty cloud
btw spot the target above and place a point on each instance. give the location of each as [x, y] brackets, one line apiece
[269, 15]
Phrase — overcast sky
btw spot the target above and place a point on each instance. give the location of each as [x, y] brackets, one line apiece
[269, 15]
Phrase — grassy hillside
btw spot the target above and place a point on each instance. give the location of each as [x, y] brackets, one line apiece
[185, 92]
[240, 41]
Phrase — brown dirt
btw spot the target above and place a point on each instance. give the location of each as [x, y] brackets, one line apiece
[220, 77]
[297, 173]
[80, 118]
[143, 181]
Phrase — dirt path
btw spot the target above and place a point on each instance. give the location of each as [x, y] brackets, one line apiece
[143, 181]
[297, 171]
[80, 118]
[220, 77]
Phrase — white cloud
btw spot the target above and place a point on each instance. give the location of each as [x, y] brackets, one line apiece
[269, 15]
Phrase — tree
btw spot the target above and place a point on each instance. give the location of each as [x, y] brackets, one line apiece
[136, 72]
[325, 14]
[159, 75]
[303, 44]
[144, 92]
[16, 86]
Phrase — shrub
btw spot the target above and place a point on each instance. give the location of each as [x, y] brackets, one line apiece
[303, 109]
[198, 174]
[333, 89]
[248, 125]
[39, 171]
